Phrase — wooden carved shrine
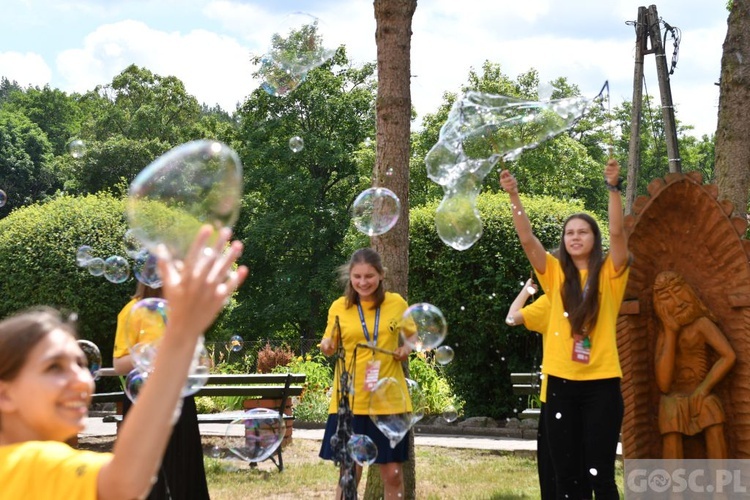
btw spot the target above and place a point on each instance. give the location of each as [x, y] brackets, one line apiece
[684, 326]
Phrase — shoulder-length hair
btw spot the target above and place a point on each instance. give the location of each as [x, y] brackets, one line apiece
[362, 256]
[581, 304]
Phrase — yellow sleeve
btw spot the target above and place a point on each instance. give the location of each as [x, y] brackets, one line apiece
[536, 315]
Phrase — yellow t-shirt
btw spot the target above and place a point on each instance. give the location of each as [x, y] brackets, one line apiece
[604, 361]
[145, 328]
[49, 470]
[536, 319]
[391, 311]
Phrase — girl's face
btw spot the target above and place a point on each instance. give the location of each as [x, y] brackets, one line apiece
[50, 396]
[579, 238]
[365, 280]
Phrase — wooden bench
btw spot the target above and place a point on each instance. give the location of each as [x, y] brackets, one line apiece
[268, 386]
[527, 384]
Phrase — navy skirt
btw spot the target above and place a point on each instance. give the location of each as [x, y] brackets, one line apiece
[363, 424]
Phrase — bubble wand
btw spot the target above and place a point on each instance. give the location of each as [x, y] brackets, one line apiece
[344, 429]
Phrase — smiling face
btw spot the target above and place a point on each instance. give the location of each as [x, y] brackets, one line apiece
[579, 239]
[49, 398]
[365, 280]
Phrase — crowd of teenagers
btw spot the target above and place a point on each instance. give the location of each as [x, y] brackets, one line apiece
[46, 387]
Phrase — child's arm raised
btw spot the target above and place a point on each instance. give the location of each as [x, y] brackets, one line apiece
[196, 290]
[533, 248]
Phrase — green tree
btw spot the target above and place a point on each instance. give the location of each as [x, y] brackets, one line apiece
[295, 212]
[25, 157]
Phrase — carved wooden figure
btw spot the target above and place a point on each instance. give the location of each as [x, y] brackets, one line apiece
[686, 382]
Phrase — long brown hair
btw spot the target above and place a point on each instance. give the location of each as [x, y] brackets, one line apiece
[582, 308]
[362, 256]
[20, 333]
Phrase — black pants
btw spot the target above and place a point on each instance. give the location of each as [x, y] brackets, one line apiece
[181, 475]
[582, 420]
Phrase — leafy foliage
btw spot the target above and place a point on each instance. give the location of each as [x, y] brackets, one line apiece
[270, 357]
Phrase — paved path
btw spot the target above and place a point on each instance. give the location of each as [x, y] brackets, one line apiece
[95, 427]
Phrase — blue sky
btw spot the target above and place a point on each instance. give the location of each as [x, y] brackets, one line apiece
[75, 45]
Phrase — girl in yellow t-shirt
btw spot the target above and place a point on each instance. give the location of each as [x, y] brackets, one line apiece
[367, 313]
[584, 405]
[45, 388]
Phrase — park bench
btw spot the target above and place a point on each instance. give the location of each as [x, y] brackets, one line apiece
[526, 384]
[275, 387]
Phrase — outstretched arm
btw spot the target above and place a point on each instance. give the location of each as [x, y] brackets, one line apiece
[196, 290]
[618, 243]
[531, 245]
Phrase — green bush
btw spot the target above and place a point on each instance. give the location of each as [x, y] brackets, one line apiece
[474, 289]
[436, 391]
[312, 406]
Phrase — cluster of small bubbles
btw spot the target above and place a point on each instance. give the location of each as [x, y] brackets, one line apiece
[473, 139]
[296, 144]
[3, 198]
[389, 172]
[77, 148]
[93, 356]
[236, 343]
[444, 354]
[296, 49]
[450, 414]
[116, 269]
[375, 211]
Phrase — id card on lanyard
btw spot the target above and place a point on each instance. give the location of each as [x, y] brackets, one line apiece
[372, 370]
[582, 345]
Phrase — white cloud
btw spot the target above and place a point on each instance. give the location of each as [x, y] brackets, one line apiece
[214, 68]
[26, 69]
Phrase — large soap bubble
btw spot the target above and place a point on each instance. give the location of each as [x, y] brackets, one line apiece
[134, 382]
[391, 410]
[116, 269]
[482, 129]
[262, 432]
[95, 266]
[196, 183]
[296, 49]
[444, 354]
[146, 269]
[423, 327]
[375, 211]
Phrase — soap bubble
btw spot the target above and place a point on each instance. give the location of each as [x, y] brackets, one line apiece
[199, 370]
[296, 49]
[196, 183]
[423, 327]
[84, 255]
[133, 246]
[375, 211]
[263, 432]
[93, 356]
[444, 354]
[77, 148]
[296, 144]
[450, 414]
[134, 383]
[418, 400]
[95, 266]
[482, 129]
[362, 449]
[146, 269]
[390, 409]
[116, 269]
[236, 343]
[144, 329]
[3, 198]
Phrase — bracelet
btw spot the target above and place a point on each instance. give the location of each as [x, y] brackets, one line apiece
[617, 187]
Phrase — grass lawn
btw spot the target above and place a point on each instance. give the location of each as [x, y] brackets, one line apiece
[441, 473]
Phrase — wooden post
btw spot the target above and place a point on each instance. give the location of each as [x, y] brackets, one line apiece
[634, 151]
[667, 108]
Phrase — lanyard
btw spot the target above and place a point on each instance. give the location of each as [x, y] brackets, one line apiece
[364, 324]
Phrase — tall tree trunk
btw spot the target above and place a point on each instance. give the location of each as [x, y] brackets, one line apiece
[733, 133]
[393, 108]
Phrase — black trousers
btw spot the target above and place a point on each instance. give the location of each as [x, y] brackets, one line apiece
[181, 475]
[582, 421]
